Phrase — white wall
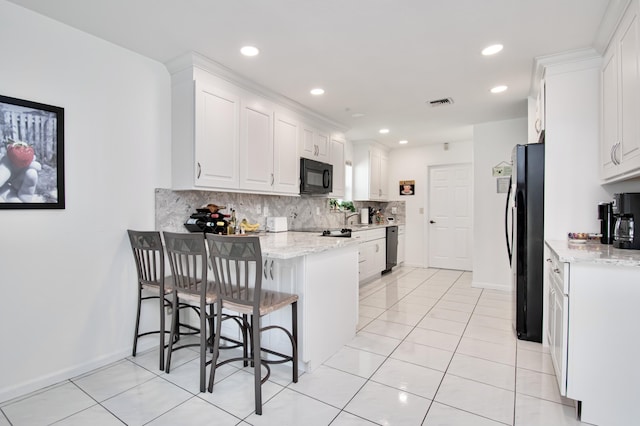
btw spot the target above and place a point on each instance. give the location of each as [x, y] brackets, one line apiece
[493, 143]
[68, 280]
[413, 164]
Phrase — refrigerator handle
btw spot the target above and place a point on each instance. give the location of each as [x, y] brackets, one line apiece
[506, 221]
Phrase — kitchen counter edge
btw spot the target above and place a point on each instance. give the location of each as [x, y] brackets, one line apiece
[291, 244]
[593, 253]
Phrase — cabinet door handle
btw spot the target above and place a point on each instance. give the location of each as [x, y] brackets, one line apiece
[199, 170]
[538, 125]
[614, 149]
[556, 270]
[272, 179]
[264, 269]
[611, 154]
[271, 270]
[549, 260]
[615, 153]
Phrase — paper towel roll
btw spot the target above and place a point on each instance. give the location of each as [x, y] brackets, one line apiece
[364, 215]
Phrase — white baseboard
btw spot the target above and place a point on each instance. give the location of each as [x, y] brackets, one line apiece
[491, 286]
[17, 390]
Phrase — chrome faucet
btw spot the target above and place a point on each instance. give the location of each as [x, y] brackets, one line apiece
[347, 217]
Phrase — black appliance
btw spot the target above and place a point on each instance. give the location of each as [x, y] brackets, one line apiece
[525, 238]
[626, 211]
[605, 216]
[315, 177]
[392, 248]
[344, 232]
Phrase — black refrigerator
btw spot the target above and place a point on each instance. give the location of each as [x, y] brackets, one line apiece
[524, 229]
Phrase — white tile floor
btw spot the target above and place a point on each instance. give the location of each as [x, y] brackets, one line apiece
[430, 350]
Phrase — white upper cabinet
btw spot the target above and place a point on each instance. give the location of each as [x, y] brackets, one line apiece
[216, 142]
[314, 143]
[620, 77]
[226, 136]
[337, 149]
[269, 159]
[256, 145]
[205, 134]
[609, 113]
[286, 162]
[370, 181]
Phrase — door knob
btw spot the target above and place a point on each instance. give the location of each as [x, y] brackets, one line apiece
[431, 221]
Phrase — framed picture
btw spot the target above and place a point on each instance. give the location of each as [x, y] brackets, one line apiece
[407, 187]
[31, 155]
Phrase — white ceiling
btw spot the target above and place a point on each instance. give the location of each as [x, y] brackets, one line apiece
[383, 58]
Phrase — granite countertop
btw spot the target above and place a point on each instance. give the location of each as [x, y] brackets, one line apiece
[594, 253]
[354, 227]
[287, 245]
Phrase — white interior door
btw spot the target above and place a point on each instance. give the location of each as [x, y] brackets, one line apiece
[449, 218]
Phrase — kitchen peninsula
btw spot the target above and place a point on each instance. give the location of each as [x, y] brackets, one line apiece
[323, 272]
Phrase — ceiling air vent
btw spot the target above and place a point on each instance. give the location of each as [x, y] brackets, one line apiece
[441, 102]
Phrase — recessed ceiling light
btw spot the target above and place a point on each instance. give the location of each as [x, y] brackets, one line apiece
[492, 50]
[249, 51]
[384, 131]
[317, 91]
[357, 115]
[403, 142]
[499, 89]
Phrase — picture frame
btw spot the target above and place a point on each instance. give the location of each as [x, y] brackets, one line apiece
[407, 187]
[31, 155]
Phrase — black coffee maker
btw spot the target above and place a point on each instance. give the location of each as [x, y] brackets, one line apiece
[626, 210]
[607, 222]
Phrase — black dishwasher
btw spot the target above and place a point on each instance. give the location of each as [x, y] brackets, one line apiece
[392, 248]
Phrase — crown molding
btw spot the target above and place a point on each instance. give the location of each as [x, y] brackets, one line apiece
[192, 60]
[610, 20]
[575, 59]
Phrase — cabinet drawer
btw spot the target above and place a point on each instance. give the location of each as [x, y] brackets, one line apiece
[370, 234]
[558, 274]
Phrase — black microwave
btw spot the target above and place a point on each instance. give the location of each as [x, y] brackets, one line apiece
[315, 177]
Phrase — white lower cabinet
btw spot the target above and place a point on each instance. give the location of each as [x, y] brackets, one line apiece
[557, 314]
[401, 243]
[327, 287]
[372, 257]
[592, 329]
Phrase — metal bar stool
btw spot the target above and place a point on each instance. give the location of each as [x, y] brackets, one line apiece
[149, 257]
[237, 267]
[188, 261]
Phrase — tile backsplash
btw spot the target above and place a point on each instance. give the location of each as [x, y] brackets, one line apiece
[174, 207]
